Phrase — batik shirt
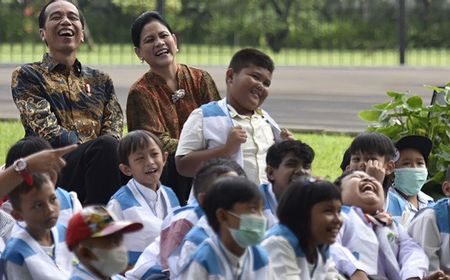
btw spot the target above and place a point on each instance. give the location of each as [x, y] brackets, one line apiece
[150, 105]
[66, 106]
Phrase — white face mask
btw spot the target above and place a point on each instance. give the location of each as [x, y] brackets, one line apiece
[110, 261]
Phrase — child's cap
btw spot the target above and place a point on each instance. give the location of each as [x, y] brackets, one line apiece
[420, 143]
[95, 221]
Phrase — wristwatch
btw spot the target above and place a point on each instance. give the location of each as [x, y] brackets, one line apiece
[20, 166]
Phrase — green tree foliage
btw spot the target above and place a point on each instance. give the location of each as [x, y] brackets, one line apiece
[313, 24]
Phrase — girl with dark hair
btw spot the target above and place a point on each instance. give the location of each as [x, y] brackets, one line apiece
[162, 99]
[298, 247]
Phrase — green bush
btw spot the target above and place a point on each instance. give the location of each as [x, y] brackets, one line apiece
[406, 114]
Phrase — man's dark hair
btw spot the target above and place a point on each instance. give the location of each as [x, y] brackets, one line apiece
[250, 56]
[43, 16]
[141, 21]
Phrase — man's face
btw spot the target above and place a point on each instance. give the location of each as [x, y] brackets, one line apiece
[63, 31]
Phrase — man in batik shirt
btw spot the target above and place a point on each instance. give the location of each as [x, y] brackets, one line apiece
[65, 102]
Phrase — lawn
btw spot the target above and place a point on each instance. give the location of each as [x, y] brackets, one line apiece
[329, 148]
[220, 55]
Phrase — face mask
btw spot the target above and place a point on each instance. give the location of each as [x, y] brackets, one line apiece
[410, 180]
[251, 229]
[110, 261]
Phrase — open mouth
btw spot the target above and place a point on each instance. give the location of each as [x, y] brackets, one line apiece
[367, 188]
[162, 52]
[151, 171]
[66, 33]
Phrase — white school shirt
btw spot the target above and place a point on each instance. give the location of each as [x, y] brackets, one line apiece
[431, 229]
[24, 258]
[208, 127]
[148, 264]
[213, 261]
[134, 202]
[69, 204]
[199, 233]
[270, 204]
[80, 272]
[288, 261]
[377, 250]
[401, 209]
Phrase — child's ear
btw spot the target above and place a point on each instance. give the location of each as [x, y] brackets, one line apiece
[446, 188]
[125, 169]
[201, 198]
[229, 76]
[16, 215]
[390, 166]
[221, 215]
[269, 173]
[165, 155]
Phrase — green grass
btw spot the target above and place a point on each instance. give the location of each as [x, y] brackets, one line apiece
[120, 54]
[329, 148]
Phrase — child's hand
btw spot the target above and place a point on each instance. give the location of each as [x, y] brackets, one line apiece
[236, 137]
[286, 134]
[359, 275]
[437, 275]
[376, 169]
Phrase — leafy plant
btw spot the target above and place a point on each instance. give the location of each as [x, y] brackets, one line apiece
[406, 114]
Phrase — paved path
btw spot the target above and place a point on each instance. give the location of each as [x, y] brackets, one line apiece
[308, 98]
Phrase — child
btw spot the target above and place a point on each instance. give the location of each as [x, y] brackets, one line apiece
[446, 183]
[373, 153]
[299, 245]
[233, 207]
[234, 127]
[68, 201]
[144, 198]
[369, 242]
[165, 254]
[285, 161]
[430, 228]
[97, 241]
[36, 251]
[405, 198]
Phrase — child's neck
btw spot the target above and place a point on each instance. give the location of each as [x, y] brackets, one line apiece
[311, 254]
[413, 199]
[231, 245]
[152, 187]
[43, 237]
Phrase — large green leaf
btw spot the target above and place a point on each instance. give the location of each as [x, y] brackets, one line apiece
[394, 94]
[370, 115]
[415, 102]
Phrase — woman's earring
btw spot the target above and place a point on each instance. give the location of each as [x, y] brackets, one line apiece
[178, 50]
[142, 60]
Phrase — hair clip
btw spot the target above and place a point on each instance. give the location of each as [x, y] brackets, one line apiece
[178, 94]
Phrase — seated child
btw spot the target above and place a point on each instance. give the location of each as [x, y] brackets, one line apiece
[431, 229]
[68, 201]
[158, 258]
[446, 183]
[144, 198]
[373, 153]
[405, 198]
[285, 161]
[36, 251]
[298, 246]
[97, 241]
[370, 242]
[234, 127]
[233, 207]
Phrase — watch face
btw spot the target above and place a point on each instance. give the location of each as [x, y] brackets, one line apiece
[20, 165]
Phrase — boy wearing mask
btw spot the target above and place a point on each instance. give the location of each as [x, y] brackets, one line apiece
[405, 198]
[97, 241]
